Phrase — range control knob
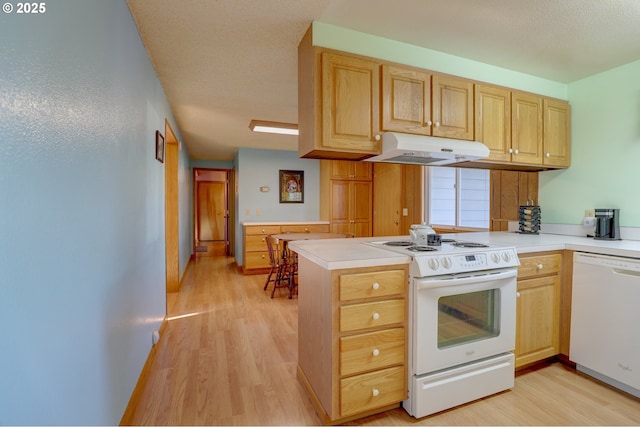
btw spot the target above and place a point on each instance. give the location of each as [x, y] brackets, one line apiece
[433, 263]
[447, 263]
[506, 256]
[495, 257]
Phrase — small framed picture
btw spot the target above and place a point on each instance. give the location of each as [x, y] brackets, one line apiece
[291, 186]
[159, 147]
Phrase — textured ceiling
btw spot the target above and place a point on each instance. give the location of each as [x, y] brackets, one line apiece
[223, 63]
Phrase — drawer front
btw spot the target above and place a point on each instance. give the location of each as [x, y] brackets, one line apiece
[371, 315]
[374, 350]
[373, 284]
[374, 390]
[261, 229]
[308, 228]
[255, 243]
[539, 265]
[256, 260]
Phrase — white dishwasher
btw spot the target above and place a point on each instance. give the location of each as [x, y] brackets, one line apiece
[605, 319]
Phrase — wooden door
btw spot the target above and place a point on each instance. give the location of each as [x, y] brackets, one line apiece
[493, 120]
[387, 199]
[351, 102]
[452, 107]
[557, 133]
[211, 211]
[406, 100]
[526, 127]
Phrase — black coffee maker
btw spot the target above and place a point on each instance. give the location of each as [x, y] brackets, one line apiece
[607, 224]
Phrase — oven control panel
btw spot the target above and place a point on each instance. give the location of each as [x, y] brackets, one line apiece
[452, 263]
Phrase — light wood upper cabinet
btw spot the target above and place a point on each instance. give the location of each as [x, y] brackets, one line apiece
[526, 128]
[557, 133]
[346, 102]
[345, 169]
[338, 104]
[493, 120]
[406, 100]
[452, 107]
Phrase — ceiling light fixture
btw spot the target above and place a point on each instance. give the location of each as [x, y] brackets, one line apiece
[273, 127]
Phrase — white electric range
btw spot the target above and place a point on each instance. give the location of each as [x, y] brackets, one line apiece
[461, 321]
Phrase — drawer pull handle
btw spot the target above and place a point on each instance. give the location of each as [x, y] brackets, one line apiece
[540, 266]
[375, 352]
[375, 392]
[376, 285]
[517, 294]
[376, 316]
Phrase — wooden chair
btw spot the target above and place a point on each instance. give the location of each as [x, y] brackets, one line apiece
[283, 269]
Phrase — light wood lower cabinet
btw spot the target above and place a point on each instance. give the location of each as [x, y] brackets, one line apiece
[538, 307]
[352, 339]
[255, 254]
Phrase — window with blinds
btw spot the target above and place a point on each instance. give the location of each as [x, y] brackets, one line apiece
[457, 197]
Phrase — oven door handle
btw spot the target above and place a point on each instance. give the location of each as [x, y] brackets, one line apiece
[436, 282]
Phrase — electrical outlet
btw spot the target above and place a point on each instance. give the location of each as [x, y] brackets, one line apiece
[589, 213]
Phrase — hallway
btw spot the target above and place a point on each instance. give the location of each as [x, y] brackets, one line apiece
[228, 357]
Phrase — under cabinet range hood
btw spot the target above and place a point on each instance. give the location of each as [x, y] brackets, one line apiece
[427, 150]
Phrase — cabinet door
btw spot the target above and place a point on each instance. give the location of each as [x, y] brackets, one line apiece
[346, 169]
[406, 100]
[493, 120]
[340, 213]
[526, 127]
[537, 319]
[387, 200]
[452, 107]
[350, 103]
[557, 133]
[509, 191]
[361, 208]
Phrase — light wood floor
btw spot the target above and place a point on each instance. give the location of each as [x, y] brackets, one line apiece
[228, 357]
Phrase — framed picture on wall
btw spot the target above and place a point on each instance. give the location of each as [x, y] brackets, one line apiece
[291, 186]
[159, 147]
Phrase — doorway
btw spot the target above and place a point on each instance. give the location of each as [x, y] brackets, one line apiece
[172, 250]
[211, 209]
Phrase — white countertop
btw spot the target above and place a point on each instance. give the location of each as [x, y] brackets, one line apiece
[333, 254]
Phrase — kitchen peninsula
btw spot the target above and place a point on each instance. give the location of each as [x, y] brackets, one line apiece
[342, 281]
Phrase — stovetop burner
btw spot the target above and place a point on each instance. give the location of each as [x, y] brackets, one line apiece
[420, 248]
[399, 243]
[448, 240]
[469, 245]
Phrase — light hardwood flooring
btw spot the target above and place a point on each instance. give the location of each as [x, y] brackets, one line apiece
[228, 357]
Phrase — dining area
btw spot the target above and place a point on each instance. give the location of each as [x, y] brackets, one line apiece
[283, 272]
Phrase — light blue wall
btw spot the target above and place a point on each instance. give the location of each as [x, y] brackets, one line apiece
[81, 212]
[605, 127]
[258, 168]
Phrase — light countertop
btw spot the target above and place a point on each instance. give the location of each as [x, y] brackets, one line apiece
[333, 254]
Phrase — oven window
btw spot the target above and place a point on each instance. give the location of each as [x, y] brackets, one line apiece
[464, 318]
